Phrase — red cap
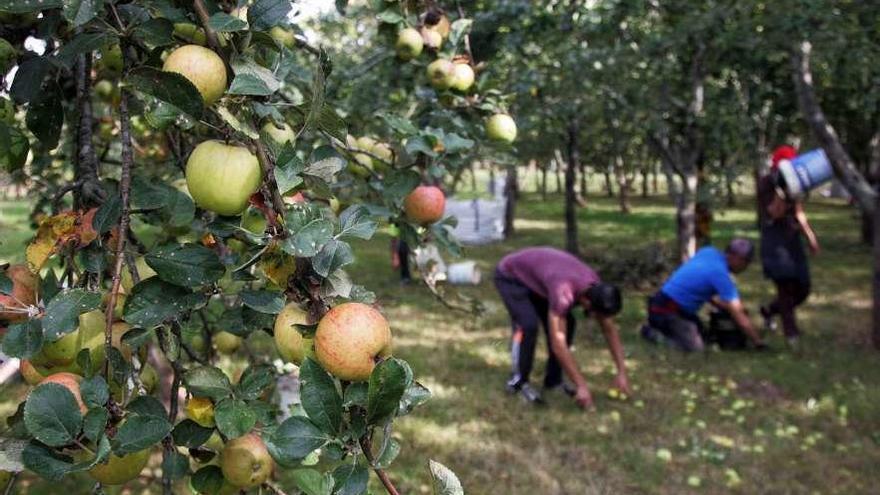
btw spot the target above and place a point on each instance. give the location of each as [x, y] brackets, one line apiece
[783, 152]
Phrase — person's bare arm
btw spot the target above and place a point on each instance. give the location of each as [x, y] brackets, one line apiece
[801, 216]
[738, 312]
[560, 349]
[612, 337]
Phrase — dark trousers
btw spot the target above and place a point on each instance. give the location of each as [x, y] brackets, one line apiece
[528, 310]
[684, 330]
[789, 295]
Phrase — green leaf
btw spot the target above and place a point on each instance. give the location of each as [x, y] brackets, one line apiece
[187, 265]
[454, 143]
[79, 12]
[62, 313]
[169, 87]
[356, 395]
[208, 381]
[176, 465]
[95, 392]
[139, 432]
[459, 28]
[288, 168]
[256, 379]
[45, 117]
[6, 284]
[326, 163]
[101, 454]
[14, 148]
[263, 301]
[319, 396]
[25, 6]
[309, 239]
[390, 16]
[333, 256]
[445, 481]
[293, 440]
[82, 43]
[222, 22]
[399, 124]
[28, 83]
[252, 78]
[108, 214]
[153, 301]
[52, 415]
[208, 480]
[399, 183]
[23, 340]
[94, 423]
[234, 417]
[49, 286]
[350, 479]
[46, 462]
[416, 394]
[147, 405]
[355, 221]
[387, 385]
[312, 482]
[190, 434]
[389, 453]
[265, 14]
[155, 32]
[330, 122]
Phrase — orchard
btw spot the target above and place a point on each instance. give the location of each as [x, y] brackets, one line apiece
[332, 248]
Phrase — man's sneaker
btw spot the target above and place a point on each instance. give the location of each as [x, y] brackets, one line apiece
[769, 322]
[565, 387]
[530, 395]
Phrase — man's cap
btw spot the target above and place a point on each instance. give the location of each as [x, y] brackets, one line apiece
[605, 299]
[784, 152]
[742, 247]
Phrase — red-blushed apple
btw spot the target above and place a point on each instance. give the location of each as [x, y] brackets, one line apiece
[120, 470]
[424, 205]
[291, 345]
[14, 306]
[246, 462]
[349, 340]
[222, 178]
[70, 382]
[409, 44]
[501, 127]
[204, 68]
[462, 77]
[441, 73]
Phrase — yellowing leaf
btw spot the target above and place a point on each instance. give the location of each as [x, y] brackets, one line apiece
[278, 266]
[57, 231]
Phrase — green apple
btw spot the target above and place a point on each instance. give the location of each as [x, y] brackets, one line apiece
[254, 221]
[246, 462]
[409, 44]
[424, 205]
[30, 373]
[431, 38]
[290, 343]
[441, 73]
[462, 77]
[501, 127]
[349, 339]
[222, 177]
[111, 58]
[283, 36]
[365, 143]
[120, 470]
[8, 56]
[281, 135]
[190, 33]
[226, 343]
[149, 377]
[204, 68]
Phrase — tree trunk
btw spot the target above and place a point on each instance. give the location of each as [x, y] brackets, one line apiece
[731, 194]
[686, 216]
[609, 188]
[558, 172]
[544, 182]
[645, 173]
[622, 185]
[473, 170]
[571, 238]
[582, 169]
[655, 183]
[876, 332]
[493, 186]
[510, 205]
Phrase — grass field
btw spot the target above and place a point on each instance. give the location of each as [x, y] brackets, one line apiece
[731, 422]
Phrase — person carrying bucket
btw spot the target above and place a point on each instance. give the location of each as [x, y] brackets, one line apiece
[673, 310]
[542, 285]
[783, 222]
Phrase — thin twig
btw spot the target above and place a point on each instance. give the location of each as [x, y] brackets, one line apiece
[10, 484]
[383, 476]
[275, 488]
[268, 169]
[172, 410]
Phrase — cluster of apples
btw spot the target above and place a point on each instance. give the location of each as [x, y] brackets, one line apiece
[377, 155]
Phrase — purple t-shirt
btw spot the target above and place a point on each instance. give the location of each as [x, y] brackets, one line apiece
[552, 273]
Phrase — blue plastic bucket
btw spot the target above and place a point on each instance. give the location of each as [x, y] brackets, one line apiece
[806, 172]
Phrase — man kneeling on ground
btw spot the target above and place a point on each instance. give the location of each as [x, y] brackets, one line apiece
[542, 285]
[672, 312]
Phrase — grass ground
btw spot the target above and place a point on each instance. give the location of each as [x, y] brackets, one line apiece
[731, 422]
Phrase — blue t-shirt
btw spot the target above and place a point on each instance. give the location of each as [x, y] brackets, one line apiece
[700, 278]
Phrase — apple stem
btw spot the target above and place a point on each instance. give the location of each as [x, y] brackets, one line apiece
[383, 476]
[11, 483]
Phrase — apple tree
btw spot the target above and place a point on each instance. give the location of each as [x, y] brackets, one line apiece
[194, 182]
